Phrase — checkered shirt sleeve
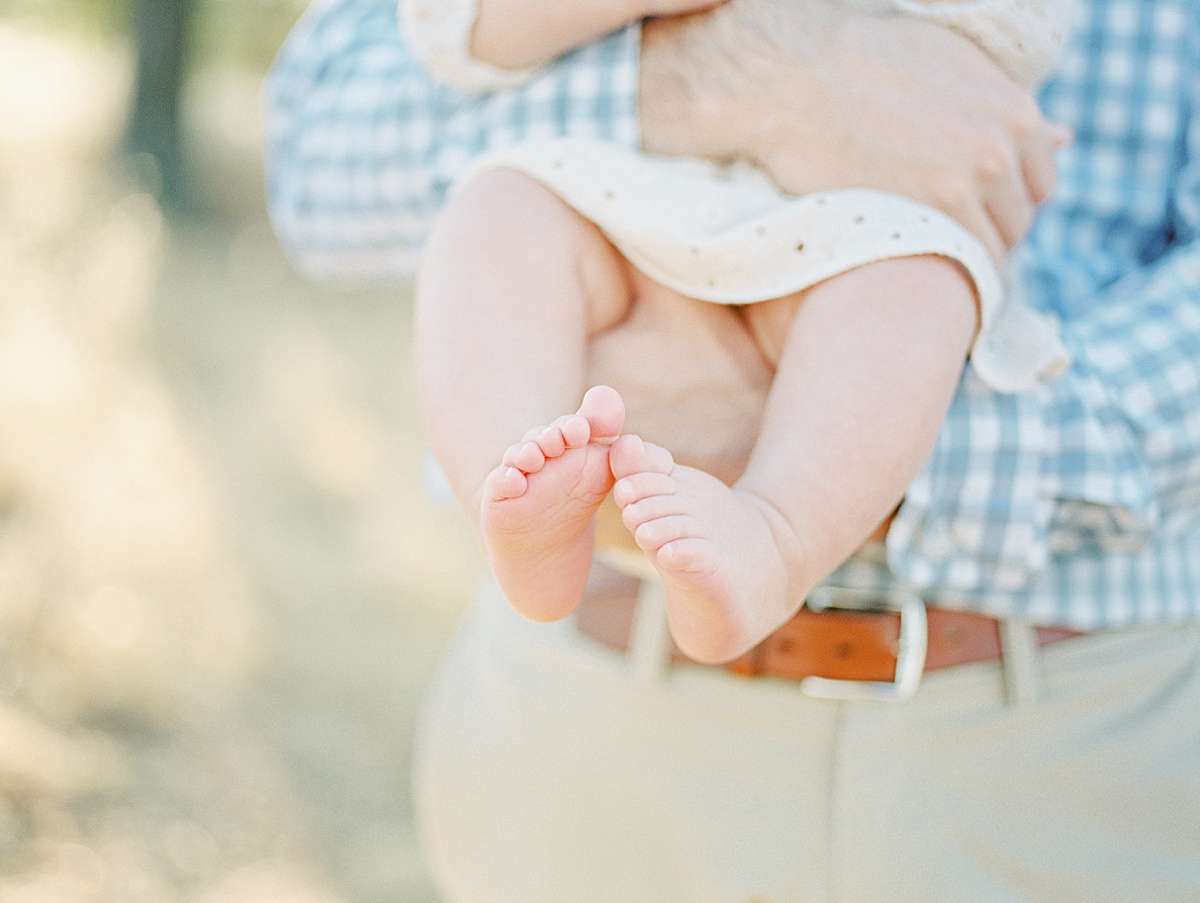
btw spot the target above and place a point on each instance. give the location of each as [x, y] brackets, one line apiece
[1103, 465]
[362, 143]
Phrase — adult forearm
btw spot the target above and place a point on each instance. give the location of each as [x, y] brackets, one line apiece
[824, 96]
[705, 80]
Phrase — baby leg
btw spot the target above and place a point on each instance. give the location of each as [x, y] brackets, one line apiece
[511, 286]
[864, 377]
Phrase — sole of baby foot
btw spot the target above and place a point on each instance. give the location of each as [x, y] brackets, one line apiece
[538, 507]
[726, 580]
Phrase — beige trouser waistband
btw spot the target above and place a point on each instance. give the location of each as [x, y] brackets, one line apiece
[551, 768]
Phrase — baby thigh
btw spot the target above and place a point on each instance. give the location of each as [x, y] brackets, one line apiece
[508, 255]
[512, 283]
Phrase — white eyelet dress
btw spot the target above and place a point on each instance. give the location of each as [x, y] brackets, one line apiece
[725, 234]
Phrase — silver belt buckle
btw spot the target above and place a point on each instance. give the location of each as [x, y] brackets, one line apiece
[910, 652]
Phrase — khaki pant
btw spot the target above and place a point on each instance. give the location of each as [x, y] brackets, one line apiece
[551, 771]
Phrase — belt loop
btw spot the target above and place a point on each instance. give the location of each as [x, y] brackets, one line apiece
[1018, 659]
[650, 637]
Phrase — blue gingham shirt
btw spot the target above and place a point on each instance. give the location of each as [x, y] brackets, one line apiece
[1077, 504]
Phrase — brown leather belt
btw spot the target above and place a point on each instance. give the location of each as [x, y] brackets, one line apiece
[844, 645]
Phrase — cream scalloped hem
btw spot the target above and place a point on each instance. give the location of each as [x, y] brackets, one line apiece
[726, 235]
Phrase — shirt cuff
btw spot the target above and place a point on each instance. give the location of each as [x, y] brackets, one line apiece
[1017, 479]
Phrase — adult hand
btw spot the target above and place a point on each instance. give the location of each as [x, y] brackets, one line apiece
[823, 96]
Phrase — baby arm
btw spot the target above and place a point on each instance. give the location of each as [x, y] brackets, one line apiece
[518, 34]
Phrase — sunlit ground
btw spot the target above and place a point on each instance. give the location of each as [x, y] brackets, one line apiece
[222, 589]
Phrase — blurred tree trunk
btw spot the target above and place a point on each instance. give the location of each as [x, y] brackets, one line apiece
[160, 28]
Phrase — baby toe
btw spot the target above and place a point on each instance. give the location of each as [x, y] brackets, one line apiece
[575, 429]
[626, 456]
[690, 554]
[551, 441]
[505, 483]
[656, 533]
[525, 456]
[630, 455]
[605, 411]
[637, 513]
[638, 486]
[658, 459]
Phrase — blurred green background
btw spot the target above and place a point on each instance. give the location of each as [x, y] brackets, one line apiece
[222, 587]
[246, 32]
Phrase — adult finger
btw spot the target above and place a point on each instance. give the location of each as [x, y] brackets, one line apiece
[1007, 199]
[1036, 141]
[978, 220]
[1038, 159]
[1038, 164]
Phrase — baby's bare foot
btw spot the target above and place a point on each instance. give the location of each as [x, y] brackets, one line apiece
[538, 506]
[726, 578]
